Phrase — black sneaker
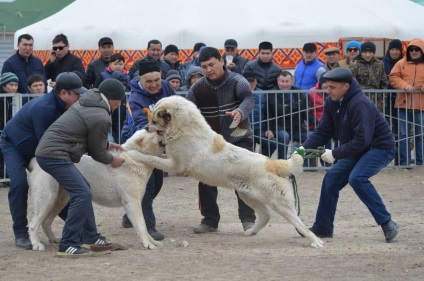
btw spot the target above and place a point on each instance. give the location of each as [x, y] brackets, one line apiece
[98, 240]
[155, 234]
[126, 223]
[23, 243]
[319, 234]
[390, 230]
[73, 253]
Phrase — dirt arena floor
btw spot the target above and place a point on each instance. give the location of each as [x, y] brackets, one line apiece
[357, 251]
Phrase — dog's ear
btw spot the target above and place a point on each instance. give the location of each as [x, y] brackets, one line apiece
[165, 115]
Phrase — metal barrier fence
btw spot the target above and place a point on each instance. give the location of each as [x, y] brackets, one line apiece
[292, 117]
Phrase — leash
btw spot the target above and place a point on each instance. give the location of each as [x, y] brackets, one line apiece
[306, 153]
[296, 194]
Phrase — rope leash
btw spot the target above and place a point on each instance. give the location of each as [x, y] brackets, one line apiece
[308, 153]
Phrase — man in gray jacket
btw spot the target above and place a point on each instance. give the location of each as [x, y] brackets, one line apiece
[81, 129]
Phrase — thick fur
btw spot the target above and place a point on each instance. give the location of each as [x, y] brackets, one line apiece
[194, 149]
[111, 187]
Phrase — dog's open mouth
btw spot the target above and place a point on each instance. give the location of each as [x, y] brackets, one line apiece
[160, 133]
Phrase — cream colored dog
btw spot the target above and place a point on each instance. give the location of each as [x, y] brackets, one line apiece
[123, 186]
[194, 149]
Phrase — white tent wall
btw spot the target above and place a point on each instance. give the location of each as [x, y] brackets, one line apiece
[285, 23]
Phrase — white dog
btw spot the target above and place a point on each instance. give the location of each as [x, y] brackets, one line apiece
[194, 149]
[112, 187]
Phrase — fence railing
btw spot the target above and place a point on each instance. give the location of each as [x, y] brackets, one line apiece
[292, 116]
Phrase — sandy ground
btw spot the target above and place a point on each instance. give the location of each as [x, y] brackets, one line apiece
[357, 251]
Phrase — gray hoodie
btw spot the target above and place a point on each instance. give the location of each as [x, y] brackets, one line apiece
[82, 128]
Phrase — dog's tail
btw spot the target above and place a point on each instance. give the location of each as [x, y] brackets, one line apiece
[285, 168]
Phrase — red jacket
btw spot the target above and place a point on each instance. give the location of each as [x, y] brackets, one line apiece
[316, 105]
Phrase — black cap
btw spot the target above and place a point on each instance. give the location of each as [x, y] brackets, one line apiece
[70, 81]
[249, 75]
[148, 65]
[170, 49]
[112, 89]
[368, 46]
[105, 40]
[230, 43]
[309, 47]
[339, 74]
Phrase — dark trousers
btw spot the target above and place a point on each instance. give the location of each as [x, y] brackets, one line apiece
[153, 187]
[80, 225]
[16, 165]
[208, 195]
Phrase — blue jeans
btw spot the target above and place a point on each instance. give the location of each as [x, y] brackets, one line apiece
[80, 213]
[406, 120]
[356, 172]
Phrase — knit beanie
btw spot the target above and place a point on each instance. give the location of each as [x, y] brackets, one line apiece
[147, 65]
[112, 89]
[368, 46]
[171, 49]
[8, 77]
[173, 74]
[354, 44]
[395, 44]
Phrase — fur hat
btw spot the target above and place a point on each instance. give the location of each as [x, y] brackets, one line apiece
[368, 46]
[170, 49]
[147, 65]
[112, 89]
[395, 44]
[8, 77]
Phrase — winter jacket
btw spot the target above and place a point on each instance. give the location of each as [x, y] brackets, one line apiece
[194, 70]
[139, 106]
[27, 127]
[93, 69]
[107, 73]
[69, 63]
[287, 111]
[180, 68]
[23, 68]
[83, 128]
[306, 75]
[266, 73]
[316, 105]
[407, 72]
[356, 123]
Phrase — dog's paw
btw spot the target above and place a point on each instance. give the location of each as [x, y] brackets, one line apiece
[250, 232]
[38, 247]
[318, 243]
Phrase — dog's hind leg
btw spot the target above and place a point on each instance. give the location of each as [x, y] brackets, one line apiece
[290, 214]
[135, 214]
[59, 203]
[261, 210]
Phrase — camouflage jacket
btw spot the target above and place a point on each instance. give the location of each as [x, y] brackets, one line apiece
[371, 75]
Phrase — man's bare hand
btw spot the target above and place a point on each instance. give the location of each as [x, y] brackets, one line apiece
[117, 161]
[235, 114]
[116, 146]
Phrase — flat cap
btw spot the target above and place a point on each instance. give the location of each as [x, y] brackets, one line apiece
[332, 50]
[339, 74]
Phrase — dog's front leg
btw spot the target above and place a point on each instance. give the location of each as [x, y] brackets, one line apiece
[166, 165]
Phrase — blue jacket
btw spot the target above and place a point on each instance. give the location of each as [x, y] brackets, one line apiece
[306, 75]
[139, 106]
[23, 69]
[355, 121]
[27, 127]
[258, 117]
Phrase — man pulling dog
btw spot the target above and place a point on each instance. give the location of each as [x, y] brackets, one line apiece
[366, 147]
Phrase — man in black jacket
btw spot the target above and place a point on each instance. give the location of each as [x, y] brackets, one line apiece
[97, 66]
[154, 52]
[61, 60]
[234, 61]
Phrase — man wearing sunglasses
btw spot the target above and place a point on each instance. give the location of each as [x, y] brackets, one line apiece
[61, 60]
[352, 51]
[234, 61]
[408, 75]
